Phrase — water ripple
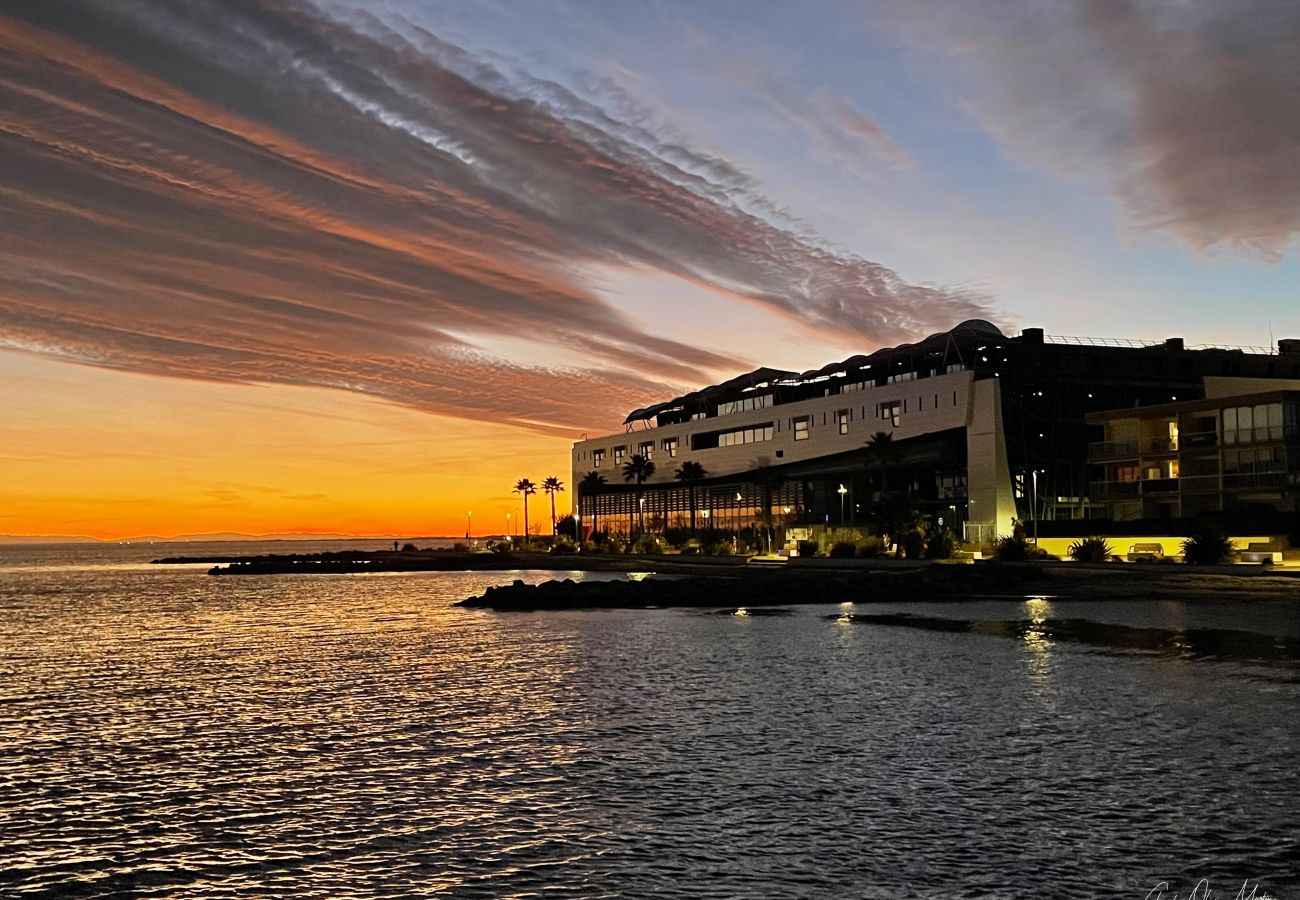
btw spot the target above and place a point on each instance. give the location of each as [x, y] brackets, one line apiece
[164, 734]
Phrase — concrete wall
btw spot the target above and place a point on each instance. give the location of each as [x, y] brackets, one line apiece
[988, 475]
[931, 407]
[1222, 386]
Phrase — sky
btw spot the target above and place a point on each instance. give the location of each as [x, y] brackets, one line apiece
[278, 265]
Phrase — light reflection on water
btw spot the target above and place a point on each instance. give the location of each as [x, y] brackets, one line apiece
[169, 734]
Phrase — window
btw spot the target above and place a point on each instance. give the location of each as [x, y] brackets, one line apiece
[670, 446]
[800, 425]
[857, 386]
[618, 455]
[1246, 424]
[842, 419]
[597, 457]
[646, 449]
[902, 376]
[734, 406]
[890, 412]
[745, 435]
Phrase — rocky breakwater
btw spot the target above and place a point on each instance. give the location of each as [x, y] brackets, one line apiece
[765, 588]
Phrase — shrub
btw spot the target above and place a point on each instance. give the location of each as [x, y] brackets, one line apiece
[1207, 548]
[1091, 549]
[563, 546]
[870, 547]
[940, 543]
[501, 547]
[844, 550]
[807, 548]
[912, 544]
[648, 543]
[409, 548]
[721, 548]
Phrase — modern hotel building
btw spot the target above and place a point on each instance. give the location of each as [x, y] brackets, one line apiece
[984, 428]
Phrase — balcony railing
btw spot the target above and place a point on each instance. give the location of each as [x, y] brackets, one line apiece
[1255, 481]
[1115, 488]
[1162, 445]
[1112, 449]
[1199, 440]
[1252, 435]
[1199, 484]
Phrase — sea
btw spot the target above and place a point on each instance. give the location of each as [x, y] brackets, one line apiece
[166, 733]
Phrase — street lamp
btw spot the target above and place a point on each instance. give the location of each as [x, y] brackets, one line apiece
[510, 528]
[469, 523]
[843, 492]
[1033, 499]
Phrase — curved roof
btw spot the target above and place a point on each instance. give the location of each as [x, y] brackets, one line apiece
[852, 365]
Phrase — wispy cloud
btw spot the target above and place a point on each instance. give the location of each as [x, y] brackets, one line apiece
[1189, 111]
[265, 192]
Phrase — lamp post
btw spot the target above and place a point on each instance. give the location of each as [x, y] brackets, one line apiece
[510, 528]
[843, 492]
[469, 523]
[1033, 499]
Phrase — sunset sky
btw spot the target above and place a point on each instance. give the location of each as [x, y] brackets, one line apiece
[359, 266]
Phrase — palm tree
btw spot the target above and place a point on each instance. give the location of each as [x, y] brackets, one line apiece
[525, 487]
[690, 474]
[883, 452]
[553, 486]
[590, 486]
[638, 469]
[767, 481]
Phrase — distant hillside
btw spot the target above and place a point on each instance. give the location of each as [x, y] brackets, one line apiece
[47, 539]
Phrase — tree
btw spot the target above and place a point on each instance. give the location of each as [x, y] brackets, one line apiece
[638, 469]
[590, 486]
[898, 518]
[691, 474]
[553, 486]
[767, 481]
[883, 452]
[525, 487]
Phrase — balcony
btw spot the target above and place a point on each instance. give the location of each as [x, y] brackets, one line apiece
[1161, 445]
[1255, 481]
[1199, 484]
[1114, 489]
[1100, 450]
[1160, 486]
[1199, 440]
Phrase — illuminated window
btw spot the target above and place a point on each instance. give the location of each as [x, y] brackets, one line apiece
[842, 419]
[618, 455]
[597, 457]
[892, 412]
[670, 446]
[647, 449]
[745, 435]
[734, 406]
[801, 428]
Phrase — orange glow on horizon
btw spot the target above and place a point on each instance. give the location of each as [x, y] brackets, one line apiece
[111, 455]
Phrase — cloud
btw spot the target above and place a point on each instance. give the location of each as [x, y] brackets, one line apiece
[1189, 111]
[269, 193]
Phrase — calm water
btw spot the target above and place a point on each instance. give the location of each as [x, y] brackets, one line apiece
[168, 734]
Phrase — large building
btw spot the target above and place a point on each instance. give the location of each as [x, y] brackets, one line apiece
[983, 428]
[1182, 460]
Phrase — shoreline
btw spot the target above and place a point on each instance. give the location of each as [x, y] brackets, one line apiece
[713, 582]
